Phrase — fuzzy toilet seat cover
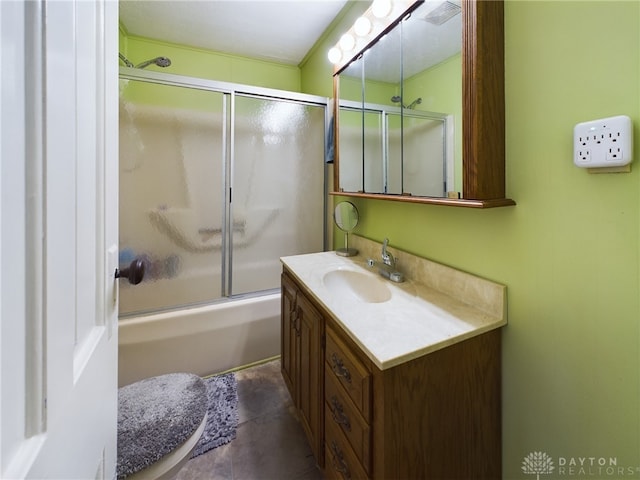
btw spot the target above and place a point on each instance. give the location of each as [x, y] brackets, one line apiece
[155, 416]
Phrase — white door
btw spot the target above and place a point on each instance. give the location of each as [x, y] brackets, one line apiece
[58, 239]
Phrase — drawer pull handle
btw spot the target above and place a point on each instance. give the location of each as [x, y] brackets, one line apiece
[296, 321]
[339, 369]
[338, 461]
[297, 325]
[337, 412]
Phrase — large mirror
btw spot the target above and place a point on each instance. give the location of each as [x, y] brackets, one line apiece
[404, 145]
[420, 111]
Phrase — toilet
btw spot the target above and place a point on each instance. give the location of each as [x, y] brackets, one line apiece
[160, 420]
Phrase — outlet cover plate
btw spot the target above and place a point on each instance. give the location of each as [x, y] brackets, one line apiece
[606, 142]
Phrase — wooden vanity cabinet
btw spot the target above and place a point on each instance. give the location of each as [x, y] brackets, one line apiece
[348, 414]
[301, 344]
[434, 417]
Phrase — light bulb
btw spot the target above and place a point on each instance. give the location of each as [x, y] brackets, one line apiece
[381, 8]
[362, 26]
[334, 55]
[347, 42]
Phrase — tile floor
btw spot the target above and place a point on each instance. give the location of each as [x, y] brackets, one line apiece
[270, 443]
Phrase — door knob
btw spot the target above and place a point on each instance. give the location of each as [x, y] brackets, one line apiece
[134, 272]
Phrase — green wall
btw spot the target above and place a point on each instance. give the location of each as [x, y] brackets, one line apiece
[568, 252]
[316, 71]
[211, 65]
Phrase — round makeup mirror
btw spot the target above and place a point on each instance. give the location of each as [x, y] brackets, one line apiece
[346, 217]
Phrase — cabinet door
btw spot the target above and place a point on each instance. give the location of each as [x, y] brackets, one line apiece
[289, 336]
[310, 325]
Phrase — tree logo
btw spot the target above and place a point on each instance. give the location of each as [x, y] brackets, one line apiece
[537, 463]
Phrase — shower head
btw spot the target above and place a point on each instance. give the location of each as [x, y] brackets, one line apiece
[398, 99]
[417, 101]
[159, 61]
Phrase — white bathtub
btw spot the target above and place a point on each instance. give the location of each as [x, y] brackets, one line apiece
[201, 340]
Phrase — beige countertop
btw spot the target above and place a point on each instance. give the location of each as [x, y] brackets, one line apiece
[416, 319]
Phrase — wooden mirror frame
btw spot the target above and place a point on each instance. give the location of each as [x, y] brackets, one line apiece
[483, 125]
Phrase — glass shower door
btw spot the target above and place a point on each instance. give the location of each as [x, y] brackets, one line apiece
[424, 158]
[172, 157]
[277, 204]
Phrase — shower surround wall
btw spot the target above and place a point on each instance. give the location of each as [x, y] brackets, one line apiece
[217, 182]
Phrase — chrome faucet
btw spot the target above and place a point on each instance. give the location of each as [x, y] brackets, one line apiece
[388, 267]
[387, 258]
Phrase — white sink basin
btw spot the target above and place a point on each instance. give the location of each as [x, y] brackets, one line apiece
[363, 286]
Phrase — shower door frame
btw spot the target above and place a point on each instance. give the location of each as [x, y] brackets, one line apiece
[230, 90]
[384, 111]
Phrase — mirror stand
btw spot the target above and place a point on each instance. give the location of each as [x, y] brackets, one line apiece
[346, 251]
[345, 216]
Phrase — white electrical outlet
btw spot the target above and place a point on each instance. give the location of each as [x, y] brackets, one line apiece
[607, 142]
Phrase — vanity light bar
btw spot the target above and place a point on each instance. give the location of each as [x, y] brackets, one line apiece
[373, 22]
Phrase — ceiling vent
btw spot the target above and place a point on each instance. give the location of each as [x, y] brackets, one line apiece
[442, 13]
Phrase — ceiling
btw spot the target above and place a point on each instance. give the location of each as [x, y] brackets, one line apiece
[276, 30]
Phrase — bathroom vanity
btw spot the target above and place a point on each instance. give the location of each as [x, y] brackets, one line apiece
[394, 380]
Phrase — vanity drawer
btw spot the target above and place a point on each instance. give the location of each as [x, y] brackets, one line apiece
[340, 461]
[350, 372]
[341, 412]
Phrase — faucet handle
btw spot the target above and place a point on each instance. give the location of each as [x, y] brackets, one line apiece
[391, 260]
[387, 258]
[385, 242]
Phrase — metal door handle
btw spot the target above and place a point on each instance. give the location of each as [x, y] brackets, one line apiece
[339, 369]
[134, 272]
[337, 413]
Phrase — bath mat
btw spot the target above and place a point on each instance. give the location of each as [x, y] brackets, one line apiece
[222, 410]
